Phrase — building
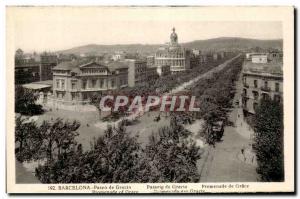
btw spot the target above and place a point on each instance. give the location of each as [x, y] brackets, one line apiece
[65, 57]
[119, 55]
[150, 61]
[151, 73]
[215, 56]
[26, 70]
[32, 67]
[222, 54]
[137, 70]
[163, 70]
[203, 59]
[261, 80]
[195, 61]
[196, 52]
[42, 89]
[172, 54]
[275, 55]
[209, 57]
[47, 62]
[259, 58]
[76, 82]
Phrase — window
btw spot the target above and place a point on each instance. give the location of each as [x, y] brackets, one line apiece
[73, 96]
[255, 95]
[84, 96]
[112, 83]
[255, 83]
[266, 84]
[73, 85]
[84, 82]
[57, 83]
[277, 98]
[101, 83]
[265, 96]
[63, 84]
[245, 91]
[277, 87]
[255, 106]
[94, 83]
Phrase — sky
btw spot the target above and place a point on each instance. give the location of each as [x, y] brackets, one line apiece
[57, 28]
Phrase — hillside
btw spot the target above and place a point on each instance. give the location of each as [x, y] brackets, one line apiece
[222, 43]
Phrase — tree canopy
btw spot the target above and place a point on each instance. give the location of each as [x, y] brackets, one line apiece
[268, 125]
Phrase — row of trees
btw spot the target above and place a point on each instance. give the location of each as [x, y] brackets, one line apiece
[167, 83]
[160, 85]
[50, 140]
[215, 96]
[268, 142]
[114, 157]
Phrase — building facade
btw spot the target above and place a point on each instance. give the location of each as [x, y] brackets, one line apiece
[261, 58]
[47, 62]
[261, 80]
[76, 83]
[33, 67]
[151, 73]
[119, 55]
[137, 70]
[174, 55]
[150, 61]
[163, 70]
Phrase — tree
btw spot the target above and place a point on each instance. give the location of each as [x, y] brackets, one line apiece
[25, 102]
[117, 157]
[27, 139]
[95, 101]
[58, 136]
[211, 113]
[113, 158]
[268, 142]
[170, 157]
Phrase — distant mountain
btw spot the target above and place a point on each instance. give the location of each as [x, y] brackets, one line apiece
[222, 43]
[234, 43]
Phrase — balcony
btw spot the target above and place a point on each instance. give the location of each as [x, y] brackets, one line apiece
[244, 95]
[265, 88]
[246, 85]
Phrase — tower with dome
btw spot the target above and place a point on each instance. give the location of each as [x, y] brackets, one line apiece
[172, 54]
[174, 38]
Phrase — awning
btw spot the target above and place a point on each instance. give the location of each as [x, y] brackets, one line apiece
[34, 86]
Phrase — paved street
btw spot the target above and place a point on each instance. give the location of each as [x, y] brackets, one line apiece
[224, 163]
[24, 176]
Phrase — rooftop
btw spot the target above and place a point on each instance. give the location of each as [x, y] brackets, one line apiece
[266, 69]
[112, 66]
[69, 65]
[36, 86]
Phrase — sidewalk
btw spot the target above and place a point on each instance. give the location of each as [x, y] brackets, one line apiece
[226, 162]
[23, 176]
[223, 162]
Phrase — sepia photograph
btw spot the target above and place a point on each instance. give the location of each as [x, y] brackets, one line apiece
[126, 100]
